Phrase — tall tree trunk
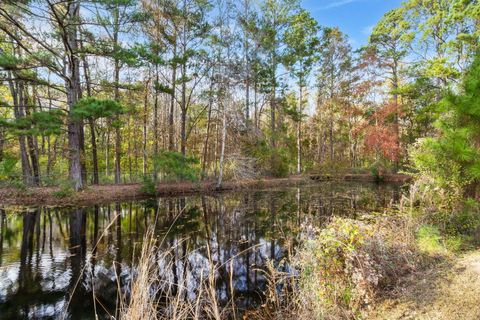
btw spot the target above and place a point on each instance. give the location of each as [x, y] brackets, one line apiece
[222, 148]
[184, 106]
[255, 103]
[32, 145]
[171, 128]
[155, 113]
[331, 140]
[91, 121]
[395, 86]
[93, 141]
[247, 65]
[209, 117]
[299, 131]
[73, 90]
[16, 90]
[2, 143]
[144, 142]
[183, 121]
[273, 107]
[107, 153]
[118, 137]
[33, 152]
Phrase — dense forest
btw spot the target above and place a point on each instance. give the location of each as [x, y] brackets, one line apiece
[118, 90]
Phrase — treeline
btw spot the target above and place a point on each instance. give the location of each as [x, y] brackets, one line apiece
[111, 90]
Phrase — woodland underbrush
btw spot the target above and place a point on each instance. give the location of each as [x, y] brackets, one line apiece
[350, 265]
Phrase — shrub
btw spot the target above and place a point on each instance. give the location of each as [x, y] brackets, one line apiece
[176, 166]
[269, 161]
[345, 266]
[460, 229]
[8, 172]
[148, 186]
[7, 167]
[65, 189]
[279, 164]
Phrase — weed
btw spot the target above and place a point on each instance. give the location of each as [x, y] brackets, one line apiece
[429, 240]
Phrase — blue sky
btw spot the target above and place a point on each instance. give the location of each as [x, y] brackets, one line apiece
[353, 17]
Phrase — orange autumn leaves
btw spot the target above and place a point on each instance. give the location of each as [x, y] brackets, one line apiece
[382, 132]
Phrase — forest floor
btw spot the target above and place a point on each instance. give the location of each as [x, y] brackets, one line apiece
[448, 290]
[98, 194]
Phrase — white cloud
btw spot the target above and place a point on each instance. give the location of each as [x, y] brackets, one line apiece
[338, 3]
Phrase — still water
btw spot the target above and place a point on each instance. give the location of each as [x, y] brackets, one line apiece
[53, 261]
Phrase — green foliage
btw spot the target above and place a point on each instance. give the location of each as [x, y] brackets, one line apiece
[457, 230]
[9, 61]
[96, 108]
[9, 174]
[449, 231]
[429, 240]
[325, 261]
[7, 167]
[451, 161]
[65, 189]
[163, 88]
[279, 163]
[44, 123]
[273, 162]
[148, 186]
[302, 45]
[174, 165]
[466, 221]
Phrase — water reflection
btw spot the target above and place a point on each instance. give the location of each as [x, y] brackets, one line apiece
[71, 261]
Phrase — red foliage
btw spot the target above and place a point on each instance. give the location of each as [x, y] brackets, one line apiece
[382, 139]
[381, 135]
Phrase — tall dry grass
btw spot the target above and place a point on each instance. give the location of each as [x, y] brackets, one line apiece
[153, 295]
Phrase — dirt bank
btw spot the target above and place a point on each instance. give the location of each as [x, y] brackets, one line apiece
[109, 193]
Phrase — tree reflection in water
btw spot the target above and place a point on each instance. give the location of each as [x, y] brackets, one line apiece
[57, 260]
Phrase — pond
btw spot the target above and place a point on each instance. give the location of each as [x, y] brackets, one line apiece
[69, 262]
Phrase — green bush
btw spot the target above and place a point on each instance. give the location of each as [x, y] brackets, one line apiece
[279, 163]
[65, 189]
[9, 174]
[269, 161]
[148, 186]
[175, 166]
[7, 167]
[460, 229]
[378, 169]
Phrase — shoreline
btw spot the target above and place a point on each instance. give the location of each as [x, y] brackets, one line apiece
[101, 194]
